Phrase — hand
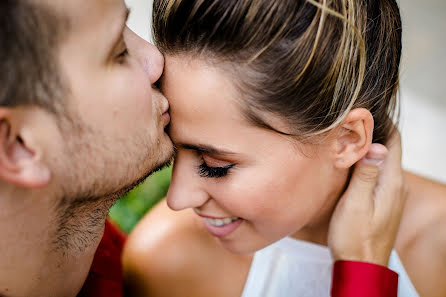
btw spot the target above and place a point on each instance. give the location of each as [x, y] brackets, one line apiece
[367, 217]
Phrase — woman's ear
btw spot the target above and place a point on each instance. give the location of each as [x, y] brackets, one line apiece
[19, 163]
[353, 137]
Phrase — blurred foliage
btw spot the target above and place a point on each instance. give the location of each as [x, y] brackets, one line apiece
[131, 208]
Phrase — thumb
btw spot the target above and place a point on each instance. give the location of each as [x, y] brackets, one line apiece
[366, 172]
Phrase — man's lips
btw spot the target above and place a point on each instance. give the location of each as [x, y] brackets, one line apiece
[166, 118]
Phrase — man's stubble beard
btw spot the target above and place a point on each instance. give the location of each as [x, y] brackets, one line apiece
[84, 202]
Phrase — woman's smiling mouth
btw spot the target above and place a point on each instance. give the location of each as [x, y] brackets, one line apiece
[220, 226]
[223, 230]
[220, 222]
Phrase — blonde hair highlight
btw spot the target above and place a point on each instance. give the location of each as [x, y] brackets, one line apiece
[322, 50]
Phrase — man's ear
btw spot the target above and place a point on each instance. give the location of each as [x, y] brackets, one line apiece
[353, 137]
[20, 163]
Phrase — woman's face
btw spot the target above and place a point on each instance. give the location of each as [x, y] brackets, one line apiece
[251, 186]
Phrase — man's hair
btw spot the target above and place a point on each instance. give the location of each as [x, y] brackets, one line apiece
[29, 35]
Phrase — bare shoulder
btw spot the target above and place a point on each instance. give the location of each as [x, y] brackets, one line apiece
[160, 229]
[426, 207]
[161, 251]
[421, 241]
[171, 254]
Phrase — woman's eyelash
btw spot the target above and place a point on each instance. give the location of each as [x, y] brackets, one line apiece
[213, 172]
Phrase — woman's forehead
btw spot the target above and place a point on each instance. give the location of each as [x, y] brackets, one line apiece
[195, 89]
[204, 100]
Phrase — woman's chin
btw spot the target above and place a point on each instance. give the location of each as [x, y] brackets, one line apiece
[241, 247]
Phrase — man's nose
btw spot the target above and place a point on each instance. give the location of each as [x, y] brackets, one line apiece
[147, 54]
[185, 189]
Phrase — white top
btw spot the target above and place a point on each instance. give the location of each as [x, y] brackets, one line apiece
[291, 267]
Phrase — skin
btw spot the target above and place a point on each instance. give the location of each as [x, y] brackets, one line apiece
[293, 203]
[61, 173]
[369, 212]
[258, 155]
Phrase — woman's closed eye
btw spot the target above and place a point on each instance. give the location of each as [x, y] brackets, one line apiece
[204, 170]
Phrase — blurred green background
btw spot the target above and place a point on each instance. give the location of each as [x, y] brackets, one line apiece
[131, 208]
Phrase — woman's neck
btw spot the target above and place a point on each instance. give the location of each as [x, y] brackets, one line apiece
[315, 233]
[316, 230]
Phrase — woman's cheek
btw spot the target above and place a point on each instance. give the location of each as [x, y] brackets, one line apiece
[245, 196]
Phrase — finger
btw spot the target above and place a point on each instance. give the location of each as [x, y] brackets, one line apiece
[392, 166]
[365, 175]
[390, 197]
[376, 155]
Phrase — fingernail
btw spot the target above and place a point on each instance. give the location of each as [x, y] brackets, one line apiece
[376, 154]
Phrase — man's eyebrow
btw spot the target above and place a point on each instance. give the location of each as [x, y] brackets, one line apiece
[121, 27]
[127, 13]
[203, 148]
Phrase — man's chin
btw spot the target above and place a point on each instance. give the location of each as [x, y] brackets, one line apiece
[164, 164]
[165, 159]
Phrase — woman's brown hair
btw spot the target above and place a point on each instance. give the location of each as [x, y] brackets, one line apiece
[307, 61]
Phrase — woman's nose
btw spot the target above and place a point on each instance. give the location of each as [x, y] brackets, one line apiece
[185, 189]
[148, 55]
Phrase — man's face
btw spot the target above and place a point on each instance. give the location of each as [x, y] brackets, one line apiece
[107, 136]
[115, 135]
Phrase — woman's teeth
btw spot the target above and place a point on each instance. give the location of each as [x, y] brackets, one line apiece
[221, 222]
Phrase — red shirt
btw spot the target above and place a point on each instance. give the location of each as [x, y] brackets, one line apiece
[105, 278]
[350, 278]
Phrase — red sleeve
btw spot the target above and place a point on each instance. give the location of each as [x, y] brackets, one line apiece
[353, 279]
[105, 278]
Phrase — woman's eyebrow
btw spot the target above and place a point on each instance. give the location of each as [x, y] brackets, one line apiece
[203, 148]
